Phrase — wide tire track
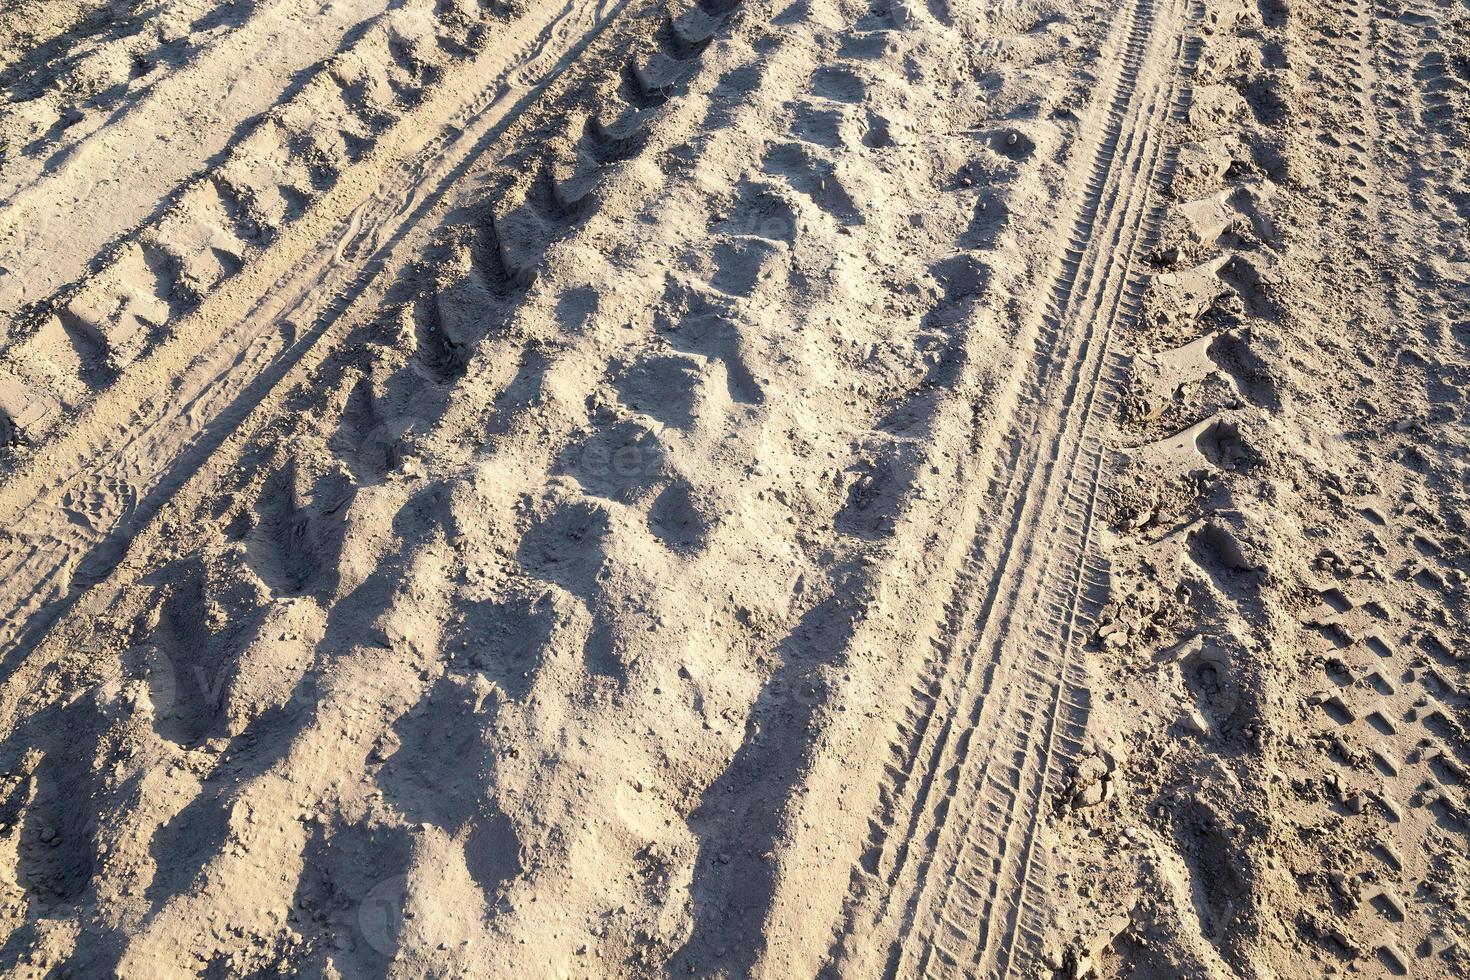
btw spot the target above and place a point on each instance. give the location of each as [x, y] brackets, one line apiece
[141, 439]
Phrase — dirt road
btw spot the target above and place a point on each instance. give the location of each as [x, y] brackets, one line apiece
[813, 489]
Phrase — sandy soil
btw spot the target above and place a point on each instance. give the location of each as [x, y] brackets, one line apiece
[811, 488]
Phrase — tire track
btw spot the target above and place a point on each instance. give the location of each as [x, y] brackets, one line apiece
[980, 797]
[280, 501]
[346, 115]
[257, 326]
[1387, 694]
[281, 40]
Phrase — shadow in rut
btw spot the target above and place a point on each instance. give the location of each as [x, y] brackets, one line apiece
[740, 817]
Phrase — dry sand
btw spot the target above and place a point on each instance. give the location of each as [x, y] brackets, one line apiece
[811, 488]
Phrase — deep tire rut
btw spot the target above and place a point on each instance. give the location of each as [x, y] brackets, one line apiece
[253, 329]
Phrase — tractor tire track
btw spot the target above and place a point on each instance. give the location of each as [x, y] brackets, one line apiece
[254, 329]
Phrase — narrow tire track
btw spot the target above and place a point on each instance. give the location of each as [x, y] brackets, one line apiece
[1005, 702]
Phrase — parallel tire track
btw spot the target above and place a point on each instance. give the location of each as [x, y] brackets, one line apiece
[1004, 701]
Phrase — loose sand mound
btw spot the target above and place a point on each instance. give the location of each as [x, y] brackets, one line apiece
[798, 489]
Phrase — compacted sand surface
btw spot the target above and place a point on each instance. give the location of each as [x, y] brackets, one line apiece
[808, 488]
